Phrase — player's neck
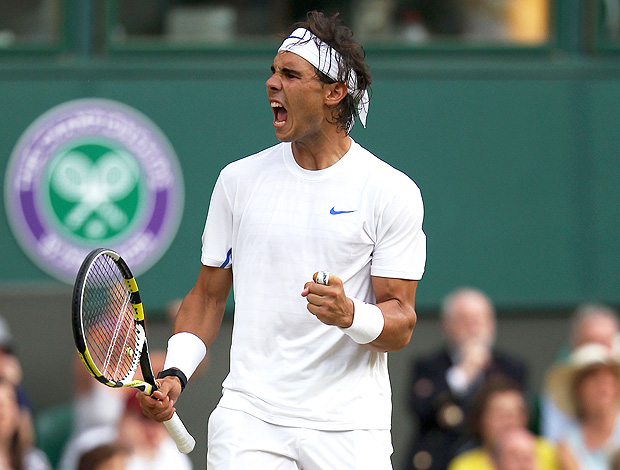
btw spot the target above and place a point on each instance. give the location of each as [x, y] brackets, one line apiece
[321, 152]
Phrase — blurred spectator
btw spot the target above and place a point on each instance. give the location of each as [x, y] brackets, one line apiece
[15, 452]
[591, 323]
[83, 442]
[373, 20]
[10, 368]
[11, 372]
[98, 405]
[300, 8]
[105, 457]
[594, 323]
[487, 20]
[499, 407]
[444, 384]
[516, 450]
[29, 20]
[443, 18]
[148, 443]
[522, 21]
[587, 388]
[154, 449]
[95, 404]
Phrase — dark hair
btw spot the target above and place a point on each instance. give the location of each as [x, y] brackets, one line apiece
[92, 459]
[494, 385]
[332, 32]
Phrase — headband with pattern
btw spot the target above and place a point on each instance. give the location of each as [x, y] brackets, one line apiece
[310, 47]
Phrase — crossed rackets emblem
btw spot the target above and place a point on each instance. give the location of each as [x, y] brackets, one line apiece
[95, 188]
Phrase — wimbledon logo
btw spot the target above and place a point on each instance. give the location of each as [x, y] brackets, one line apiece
[93, 173]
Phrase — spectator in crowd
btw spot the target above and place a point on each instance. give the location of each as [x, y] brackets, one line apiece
[105, 457]
[11, 373]
[499, 407]
[591, 323]
[15, 452]
[440, 17]
[587, 388]
[154, 449]
[516, 450]
[443, 384]
[95, 404]
[30, 20]
[594, 323]
[148, 442]
[524, 21]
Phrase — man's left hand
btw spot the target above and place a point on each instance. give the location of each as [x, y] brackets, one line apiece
[329, 303]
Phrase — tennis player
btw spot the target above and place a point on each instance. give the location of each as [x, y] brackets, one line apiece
[308, 386]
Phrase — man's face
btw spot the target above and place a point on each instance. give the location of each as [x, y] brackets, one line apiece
[472, 320]
[596, 329]
[296, 97]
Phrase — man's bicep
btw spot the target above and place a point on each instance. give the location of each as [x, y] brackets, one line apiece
[396, 299]
[214, 283]
[203, 307]
[401, 290]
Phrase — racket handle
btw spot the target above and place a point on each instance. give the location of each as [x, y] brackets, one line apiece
[183, 439]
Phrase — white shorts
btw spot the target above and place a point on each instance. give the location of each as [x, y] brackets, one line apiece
[239, 441]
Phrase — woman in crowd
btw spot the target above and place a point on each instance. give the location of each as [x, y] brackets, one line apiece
[587, 388]
[14, 454]
[105, 457]
[500, 407]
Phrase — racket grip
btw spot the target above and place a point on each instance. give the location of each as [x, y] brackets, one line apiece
[183, 439]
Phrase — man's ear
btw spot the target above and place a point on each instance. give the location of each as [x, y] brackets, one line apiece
[336, 92]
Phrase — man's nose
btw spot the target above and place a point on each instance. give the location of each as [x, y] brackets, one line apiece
[273, 82]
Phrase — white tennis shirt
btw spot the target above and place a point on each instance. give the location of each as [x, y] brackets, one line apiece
[275, 224]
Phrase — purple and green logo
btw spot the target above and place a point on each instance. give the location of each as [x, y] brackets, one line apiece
[92, 173]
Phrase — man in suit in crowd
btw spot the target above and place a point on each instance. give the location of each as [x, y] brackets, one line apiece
[443, 384]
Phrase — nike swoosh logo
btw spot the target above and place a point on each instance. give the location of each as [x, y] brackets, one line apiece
[333, 211]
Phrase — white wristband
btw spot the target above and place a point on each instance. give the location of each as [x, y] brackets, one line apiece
[367, 324]
[185, 352]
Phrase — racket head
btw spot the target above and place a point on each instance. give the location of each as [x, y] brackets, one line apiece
[108, 320]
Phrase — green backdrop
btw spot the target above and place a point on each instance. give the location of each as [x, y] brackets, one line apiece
[517, 159]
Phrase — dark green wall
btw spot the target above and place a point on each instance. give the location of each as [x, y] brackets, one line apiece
[517, 159]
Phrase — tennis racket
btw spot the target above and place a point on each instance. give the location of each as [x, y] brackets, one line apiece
[109, 331]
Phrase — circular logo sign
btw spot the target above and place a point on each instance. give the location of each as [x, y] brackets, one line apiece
[93, 173]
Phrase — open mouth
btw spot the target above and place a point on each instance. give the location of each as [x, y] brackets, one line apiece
[279, 113]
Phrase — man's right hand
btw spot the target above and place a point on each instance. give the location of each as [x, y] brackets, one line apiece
[475, 358]
[160, 405]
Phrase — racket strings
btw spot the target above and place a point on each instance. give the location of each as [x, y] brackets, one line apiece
[108, 320]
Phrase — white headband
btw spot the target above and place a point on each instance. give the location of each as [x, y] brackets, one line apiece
[308, 46]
